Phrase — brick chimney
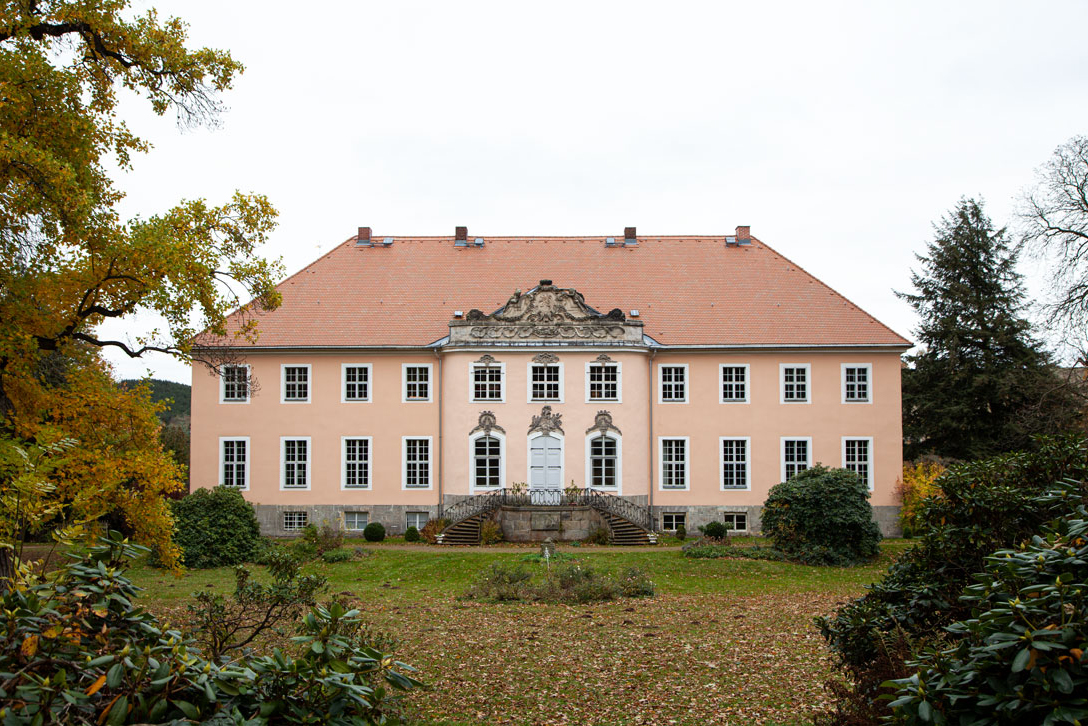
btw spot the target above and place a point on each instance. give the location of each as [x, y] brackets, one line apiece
[744, 234]
[461, 235]
[363, 238]
[630, 236]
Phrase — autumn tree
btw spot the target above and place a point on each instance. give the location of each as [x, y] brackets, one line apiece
[68, 261]
[981, 384]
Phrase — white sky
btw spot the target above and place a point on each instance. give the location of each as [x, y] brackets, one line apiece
[838, 130]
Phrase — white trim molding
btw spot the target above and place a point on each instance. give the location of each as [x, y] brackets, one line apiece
[344, 463]
[595, 433]
[869, 451]
[283, 463]
[472, 439]
[661, 463]
[223, 384]
[660, 384]
[868, 383]
[477, 366]
[747, 463]
[404, 383]
[309, 383]
[619, 381]
[782, 452]
[404, 463]
[248, 462]
[344, 382]
[782, 383]
[529, 383]
[747, 383]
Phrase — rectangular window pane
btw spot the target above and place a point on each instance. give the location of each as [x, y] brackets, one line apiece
[356, 520]
[673, 383]
[734, 463]
[673, 463]
[857, 458]
[234, 463]
[296, 461]
[487, 384]
[603, 383]
[545, 383]
[671, 521]
[857, 383]
[356, 383]
[296, 383]
[795, 384]
[235, 383]
[486, 460]
[417, 468]
[734, 383]
[295, 520]
[736, 521]
[417, 383]
[795, 456]
[416, 519]
[357, 463]
[603, 455]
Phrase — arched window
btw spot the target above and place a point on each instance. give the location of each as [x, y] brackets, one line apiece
[604, 462]
[487, 462]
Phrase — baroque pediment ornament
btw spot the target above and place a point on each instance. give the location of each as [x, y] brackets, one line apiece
[604, 358]
[546, 358]
[547, 422]
[603, 424]
[486, 360]
[487, 424]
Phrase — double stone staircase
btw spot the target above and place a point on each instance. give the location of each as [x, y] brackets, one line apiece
[628, 523]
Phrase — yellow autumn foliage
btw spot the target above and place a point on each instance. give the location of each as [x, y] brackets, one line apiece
[918, 483]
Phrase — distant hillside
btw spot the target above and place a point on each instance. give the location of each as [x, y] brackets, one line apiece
[179, 392]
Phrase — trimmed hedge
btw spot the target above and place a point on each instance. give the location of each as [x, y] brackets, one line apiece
[216, 528]
[374, 532]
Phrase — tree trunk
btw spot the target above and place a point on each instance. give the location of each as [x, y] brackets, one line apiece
[7, 569]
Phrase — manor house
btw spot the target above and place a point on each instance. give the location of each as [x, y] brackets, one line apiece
[654, 380]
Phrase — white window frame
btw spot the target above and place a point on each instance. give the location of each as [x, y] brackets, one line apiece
[344, 382]
[406, 525]
[782, 383]
[871, 462]
[309, 382]
[660, 383]
[782, 452]
[223, 385]
[404, 464]
[661, 464]
[868, 383]
[283, 463]
[529, 383]
[249, 460]
[618, 489]
[473, 367]
[619, 382]
[747, 383]
[344, 463]
[355, 511]
[472, 461]
[404, 382]
[747, 464]
[283, 520]
[734, 514]
[562, 457]
[673, 514]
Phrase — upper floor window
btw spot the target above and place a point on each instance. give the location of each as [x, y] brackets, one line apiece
[857, 456]
[545, 382]
[673, 383]
[734, 463]
[674, 463]
[234, 384]
[356, 382]
[355, 470]
[417, 382]
[734, 383]
[602, 382]
[295, 384]
[234, 462]
[487, 382]
[417, 462]
[487, 462]
[796, 456]
[604, 460]
[295, 462]
[856, 382]
[795, 382]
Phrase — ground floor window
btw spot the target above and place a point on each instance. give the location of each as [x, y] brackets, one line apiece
[235, 454]
[487, 461]
[736, 521]
[857, 457]
[674, 463]
[734, 463]
[672, 521]
[603, 456]
[356, 520]
[417, 463]
[296, 463]
[294, 521]
[416, 519]
[795, 457]
[357, 463]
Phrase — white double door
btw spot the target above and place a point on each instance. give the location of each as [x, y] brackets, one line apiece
[545, 463]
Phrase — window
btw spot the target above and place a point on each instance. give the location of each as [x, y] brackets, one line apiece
[416, 519]
[736, 521]
[355, 472]
[234, 384]
[294, 521]
[603, 462]
[354, 521]
[602, 382]
[734, 384]
[417, 382]
[795, 383]
[672, 521]
[295, 470]
[545, 382]
[487, 382]
[356, 383]
[296, 384]
[674, 463]
[673, 383]
[734, 463]
[487, 462]
[857, 456]
[795, 456]
[233, 462]
[417, 462]
[855, 382]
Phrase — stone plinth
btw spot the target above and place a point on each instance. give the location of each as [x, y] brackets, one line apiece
[536, 524]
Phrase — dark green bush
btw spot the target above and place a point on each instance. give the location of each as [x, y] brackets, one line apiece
[327, 536]
[822, 516]
[563, 583]
[338, 555]
[490, 532]
[1020, 657]
[115, 664]
[715, 530]
[707, 550]
[215, 528]
[599, 536]
[374, 532]
[411, 535]
[303, 550]
[681, 533]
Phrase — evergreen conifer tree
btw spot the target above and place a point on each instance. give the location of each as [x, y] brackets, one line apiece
[982, 384]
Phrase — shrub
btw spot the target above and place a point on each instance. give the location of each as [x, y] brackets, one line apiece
[432, 529]
[919, 481]
[374, 532]
[302, 550]
[329, 536]
[215, 528]
[1020, 658]
[563, 583]
[490, 532]
[337, 555]
[502, 582]
[411, 534]
[599, 536]
[634, 583]
[822, 516]
[715, 530]
[709, 550]
[116, 664]
[681, 533]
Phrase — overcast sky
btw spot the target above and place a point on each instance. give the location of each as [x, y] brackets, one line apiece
[838, 131]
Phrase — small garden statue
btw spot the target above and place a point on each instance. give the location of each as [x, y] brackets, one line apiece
[547, 548]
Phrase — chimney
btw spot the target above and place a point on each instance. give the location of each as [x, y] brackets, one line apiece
[363, 238]
[461, 235]
[630, 237]
[744, 235]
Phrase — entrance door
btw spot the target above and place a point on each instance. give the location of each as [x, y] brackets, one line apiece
[545, 463]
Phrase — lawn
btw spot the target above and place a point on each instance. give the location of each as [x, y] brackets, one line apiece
[724, 641]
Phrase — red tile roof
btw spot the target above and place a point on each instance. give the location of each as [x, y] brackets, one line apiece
[688, 290]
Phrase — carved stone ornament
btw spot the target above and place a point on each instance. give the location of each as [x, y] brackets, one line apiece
[603, 424]
[487, 424]
[546, 358]
[486, 360]
[547, 422]
[604, 358]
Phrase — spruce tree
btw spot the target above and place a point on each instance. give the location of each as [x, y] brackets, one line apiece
[982, 384]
